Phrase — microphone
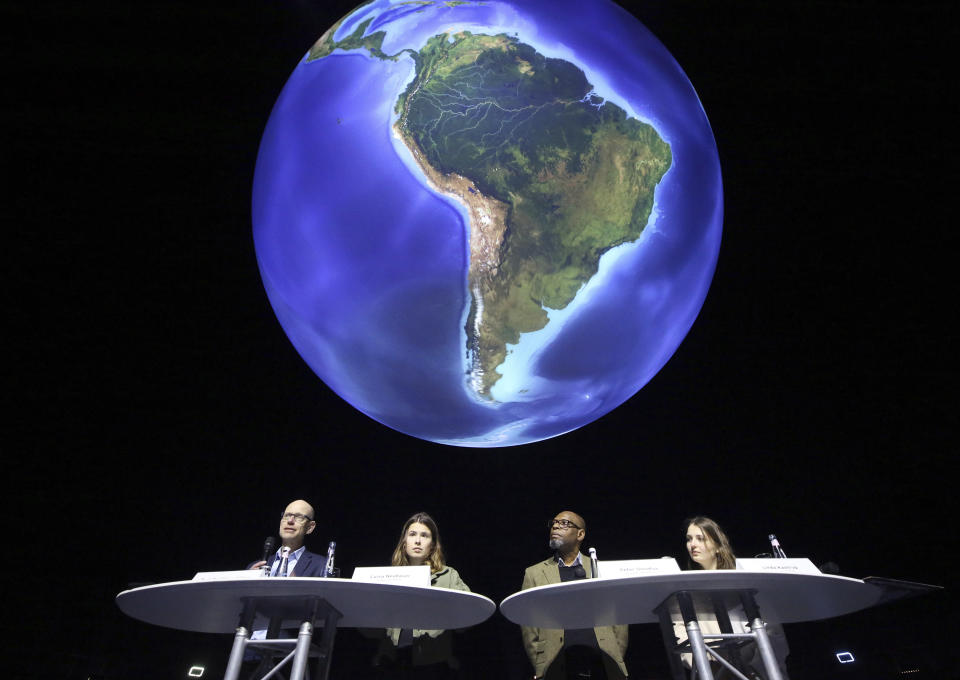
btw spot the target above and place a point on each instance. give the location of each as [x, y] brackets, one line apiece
[328, 570]
[269, 546]
[593, 562]
[777, 550]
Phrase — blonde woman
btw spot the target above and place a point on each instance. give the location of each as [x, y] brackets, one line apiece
[421, 654]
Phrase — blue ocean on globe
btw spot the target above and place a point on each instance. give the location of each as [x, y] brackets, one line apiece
[487, 223]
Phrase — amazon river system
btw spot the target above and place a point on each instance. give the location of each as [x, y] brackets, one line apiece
[487, 223]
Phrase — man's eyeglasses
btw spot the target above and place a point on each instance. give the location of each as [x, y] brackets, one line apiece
[295, 516]
[562, 523]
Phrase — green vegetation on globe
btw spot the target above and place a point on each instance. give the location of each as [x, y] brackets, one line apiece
[552, 175]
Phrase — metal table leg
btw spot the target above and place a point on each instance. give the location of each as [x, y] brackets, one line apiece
[308, 610]
[697, 646]
[759, 630]
[240, 640]
[302, 651]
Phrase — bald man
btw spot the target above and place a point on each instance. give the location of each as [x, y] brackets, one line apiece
[296, 523]
[558, 654]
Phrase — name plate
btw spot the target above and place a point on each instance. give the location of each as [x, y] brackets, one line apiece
[629, 568]
[228, 575]
[783, 565]
[398, 576]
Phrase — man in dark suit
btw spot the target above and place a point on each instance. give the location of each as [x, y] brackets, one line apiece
[296, 523]
[291, 559]
[582, 654]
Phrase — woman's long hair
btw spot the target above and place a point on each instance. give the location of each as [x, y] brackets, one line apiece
[435, 559]
[725, 557]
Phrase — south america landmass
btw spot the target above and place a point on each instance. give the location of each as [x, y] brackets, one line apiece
[552, 176]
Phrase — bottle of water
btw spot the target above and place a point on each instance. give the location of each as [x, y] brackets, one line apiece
[328, 570]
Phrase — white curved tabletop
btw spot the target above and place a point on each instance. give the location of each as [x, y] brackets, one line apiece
[782, 598]
[215, 606]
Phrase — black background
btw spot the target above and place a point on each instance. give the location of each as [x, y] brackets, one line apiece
[160, 420]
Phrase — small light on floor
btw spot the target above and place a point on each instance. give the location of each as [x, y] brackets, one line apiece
[845, 657]
[195, 671]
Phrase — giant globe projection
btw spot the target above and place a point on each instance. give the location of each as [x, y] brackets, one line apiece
[487, 223]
